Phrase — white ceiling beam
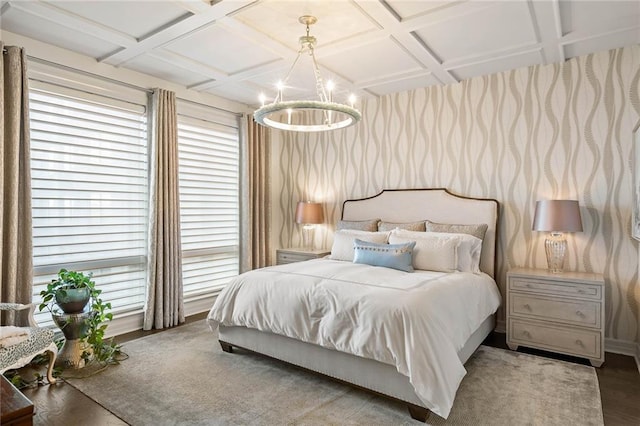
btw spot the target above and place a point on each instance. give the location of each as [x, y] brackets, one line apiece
[179, 30]
[402, 33]
[74, 22]
[492, 55]
[187, 64]
[577, 36]
[392, 78]
[546, 22]
[194, 7]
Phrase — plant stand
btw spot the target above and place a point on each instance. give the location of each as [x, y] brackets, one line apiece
[74, 327]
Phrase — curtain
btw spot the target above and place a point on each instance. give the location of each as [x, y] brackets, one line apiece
[16, 263]
[256, 201]
[164, 305]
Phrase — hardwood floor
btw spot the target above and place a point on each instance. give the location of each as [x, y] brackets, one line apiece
[619, 382]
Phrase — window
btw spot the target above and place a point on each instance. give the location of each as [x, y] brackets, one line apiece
[209, 199]
[89, 171]
[89, 191]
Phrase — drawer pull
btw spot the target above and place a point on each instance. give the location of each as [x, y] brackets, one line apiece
[580, 314]
[581, 291]
[527, 307]
[526, 334]
[579, 343]
[529, 286]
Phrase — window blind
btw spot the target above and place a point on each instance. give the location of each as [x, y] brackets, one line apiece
[89, 191]
[209, 204]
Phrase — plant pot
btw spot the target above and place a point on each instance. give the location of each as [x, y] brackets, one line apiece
[72, 300]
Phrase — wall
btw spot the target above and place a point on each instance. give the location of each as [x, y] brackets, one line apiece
[542, 132]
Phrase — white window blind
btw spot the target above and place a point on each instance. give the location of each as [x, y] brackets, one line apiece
[209, 203]
[89, 191]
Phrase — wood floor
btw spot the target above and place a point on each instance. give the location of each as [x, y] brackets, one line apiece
[63, 405]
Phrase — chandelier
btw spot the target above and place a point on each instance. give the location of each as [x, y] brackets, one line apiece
[317, 115]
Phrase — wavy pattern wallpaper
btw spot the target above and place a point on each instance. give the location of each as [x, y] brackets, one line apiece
[542, 132]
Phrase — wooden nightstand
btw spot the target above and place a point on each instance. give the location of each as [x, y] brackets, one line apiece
[562, 313]
[291, 255]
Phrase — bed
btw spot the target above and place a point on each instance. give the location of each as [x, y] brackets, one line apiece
[368, 356]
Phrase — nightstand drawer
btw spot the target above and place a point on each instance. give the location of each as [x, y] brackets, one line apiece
[578, 312]
[291, 258]
[565, 288]
[292, 255]
[572, 341]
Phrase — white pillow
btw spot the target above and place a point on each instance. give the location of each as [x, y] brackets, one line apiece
[343, 239]
[442, 251]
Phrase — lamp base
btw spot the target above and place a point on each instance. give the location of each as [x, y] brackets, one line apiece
[307, 237]
[556, 247]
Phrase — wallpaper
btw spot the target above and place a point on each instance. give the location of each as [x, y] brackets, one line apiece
[542, 132]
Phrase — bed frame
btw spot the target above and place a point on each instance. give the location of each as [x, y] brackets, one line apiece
[400, 205]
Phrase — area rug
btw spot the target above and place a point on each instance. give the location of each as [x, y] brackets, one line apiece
[181, 377]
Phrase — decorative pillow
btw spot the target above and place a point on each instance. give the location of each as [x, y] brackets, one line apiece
[466, 248]
[342, 248]
[477, 231]
[370, 225]
[431, 252]
[412, 226]
[395, 256]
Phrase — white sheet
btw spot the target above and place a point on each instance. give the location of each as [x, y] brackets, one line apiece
[416, 321]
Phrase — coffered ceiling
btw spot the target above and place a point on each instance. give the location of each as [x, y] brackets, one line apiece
[237, 49]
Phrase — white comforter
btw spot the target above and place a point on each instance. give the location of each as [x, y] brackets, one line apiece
[416, 321]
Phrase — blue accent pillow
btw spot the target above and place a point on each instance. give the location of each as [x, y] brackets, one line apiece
[395, 256]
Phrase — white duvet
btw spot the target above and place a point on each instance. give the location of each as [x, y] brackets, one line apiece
[416, 321]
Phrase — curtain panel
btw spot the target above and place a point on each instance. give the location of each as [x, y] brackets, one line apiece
[164, 305]
[255, 193]
[16, 262]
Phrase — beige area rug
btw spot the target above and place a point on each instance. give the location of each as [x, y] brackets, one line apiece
[181, 377]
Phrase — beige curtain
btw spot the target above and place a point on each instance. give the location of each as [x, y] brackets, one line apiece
[256, 200]
[16, 262]
[164, 304]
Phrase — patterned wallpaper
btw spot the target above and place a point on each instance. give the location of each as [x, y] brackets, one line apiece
[542, 132]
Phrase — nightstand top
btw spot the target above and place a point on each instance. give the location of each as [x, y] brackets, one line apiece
[586, 277]
[296, 250]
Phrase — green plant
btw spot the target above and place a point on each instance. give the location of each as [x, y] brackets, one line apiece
[99, 349]
[67, 280]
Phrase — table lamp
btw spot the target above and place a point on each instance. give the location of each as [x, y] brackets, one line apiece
[557, 216]
[308, 214]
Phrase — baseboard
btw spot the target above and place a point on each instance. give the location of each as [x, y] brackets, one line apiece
[133, 321]
[623, 347]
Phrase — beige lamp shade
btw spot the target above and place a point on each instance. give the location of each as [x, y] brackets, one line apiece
[557, 216]
[308, 212]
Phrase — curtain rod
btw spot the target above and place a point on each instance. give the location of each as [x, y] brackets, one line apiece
[113, 80]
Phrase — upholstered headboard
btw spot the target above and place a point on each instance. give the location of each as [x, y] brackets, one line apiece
[434, 204]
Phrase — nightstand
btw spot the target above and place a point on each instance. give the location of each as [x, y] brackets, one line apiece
[562, 312]
[291, 255]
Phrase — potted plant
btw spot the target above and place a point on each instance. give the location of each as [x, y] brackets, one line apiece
[71, 292]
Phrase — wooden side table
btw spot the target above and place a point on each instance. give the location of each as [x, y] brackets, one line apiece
[291, 255]
[558, 312]
[16, 409]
